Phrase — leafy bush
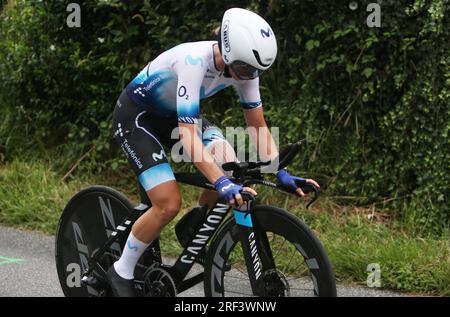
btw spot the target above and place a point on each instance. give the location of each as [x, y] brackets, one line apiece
[373, 103]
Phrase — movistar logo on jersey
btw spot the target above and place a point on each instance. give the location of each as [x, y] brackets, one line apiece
[193, 60]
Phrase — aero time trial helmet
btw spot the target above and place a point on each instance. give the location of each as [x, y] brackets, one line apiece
[247, 42]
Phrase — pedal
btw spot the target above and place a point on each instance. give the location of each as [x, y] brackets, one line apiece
[89, 280]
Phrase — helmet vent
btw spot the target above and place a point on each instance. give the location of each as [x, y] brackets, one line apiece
[258, 59]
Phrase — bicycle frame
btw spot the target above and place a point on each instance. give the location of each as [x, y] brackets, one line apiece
[254, 247]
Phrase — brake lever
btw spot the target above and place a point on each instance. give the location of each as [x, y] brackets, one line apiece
[308, 188]
[248, 197]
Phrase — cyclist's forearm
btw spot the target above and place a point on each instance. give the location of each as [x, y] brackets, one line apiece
[211, 171]
[260, 135]
[201, 158]
[267, 149]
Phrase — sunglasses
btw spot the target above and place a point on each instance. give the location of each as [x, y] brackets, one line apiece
[245, 71]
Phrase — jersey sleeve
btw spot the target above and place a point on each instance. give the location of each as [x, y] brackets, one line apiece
[249, 95]
[190, 69]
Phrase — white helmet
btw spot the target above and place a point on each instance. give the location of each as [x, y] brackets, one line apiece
[248, 44]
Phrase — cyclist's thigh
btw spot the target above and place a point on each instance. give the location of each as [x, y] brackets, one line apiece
[214, 141]
[141, 144]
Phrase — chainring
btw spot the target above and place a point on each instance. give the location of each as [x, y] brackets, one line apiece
[158, 282]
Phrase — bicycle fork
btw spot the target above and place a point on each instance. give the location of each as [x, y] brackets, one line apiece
[255, 246]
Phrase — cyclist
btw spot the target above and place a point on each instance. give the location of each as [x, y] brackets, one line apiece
[166, 94]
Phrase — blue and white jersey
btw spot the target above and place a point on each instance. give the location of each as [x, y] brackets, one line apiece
[173, 84]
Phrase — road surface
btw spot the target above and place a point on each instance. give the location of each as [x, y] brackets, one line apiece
[27, 268]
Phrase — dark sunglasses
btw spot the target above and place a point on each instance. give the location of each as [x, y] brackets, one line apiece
[245, 71]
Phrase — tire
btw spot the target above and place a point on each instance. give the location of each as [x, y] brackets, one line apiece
[304, 250]
[86, 222]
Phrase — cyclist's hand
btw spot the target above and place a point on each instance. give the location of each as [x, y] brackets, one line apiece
[228, 190]
[239, 200]
[288, 181]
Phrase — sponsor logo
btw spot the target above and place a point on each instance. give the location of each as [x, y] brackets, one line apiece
[152, 84]
[182, 91]
[255, 257]
[119, 130]
[201, 238]
[139, 91]
[193, 60]
[266, 33]
[224, 188]
[110, 224]
[132, 247]
[130, 152]
[159, 156]
[219, 262]
[83, 254]
[226, 35]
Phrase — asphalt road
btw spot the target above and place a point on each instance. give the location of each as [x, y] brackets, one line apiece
[27, 268]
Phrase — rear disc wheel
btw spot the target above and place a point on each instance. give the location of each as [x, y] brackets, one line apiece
[86, 223]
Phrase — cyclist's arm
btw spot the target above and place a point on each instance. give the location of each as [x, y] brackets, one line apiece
[191, 70]
[259, 133]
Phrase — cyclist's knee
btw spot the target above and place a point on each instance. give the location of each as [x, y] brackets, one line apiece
[166, 202]
[219, 148]
[168, 209]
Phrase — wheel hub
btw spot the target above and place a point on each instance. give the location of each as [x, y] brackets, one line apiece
[274, 284]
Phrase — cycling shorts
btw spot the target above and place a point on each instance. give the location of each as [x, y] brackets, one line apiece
[142, 135]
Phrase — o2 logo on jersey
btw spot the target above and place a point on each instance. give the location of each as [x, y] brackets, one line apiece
[266, 33]
[182, 92]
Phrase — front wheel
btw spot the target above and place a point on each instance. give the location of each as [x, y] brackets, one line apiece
[301, 268]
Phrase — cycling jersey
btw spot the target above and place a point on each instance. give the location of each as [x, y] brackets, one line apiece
[168, 91]
[173, 84]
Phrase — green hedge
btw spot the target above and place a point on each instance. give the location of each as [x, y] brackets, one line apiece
[373, 103]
